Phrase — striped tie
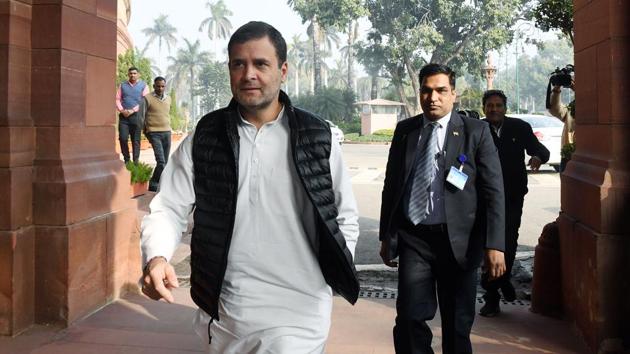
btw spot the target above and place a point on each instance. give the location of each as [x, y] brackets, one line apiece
[425, 170]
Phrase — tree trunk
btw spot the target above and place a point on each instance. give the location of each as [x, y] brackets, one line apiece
[413, 74]
[351, 38]
[192, 95]
[374, 87]
[409, 110]
[297, 81]
[317, 65]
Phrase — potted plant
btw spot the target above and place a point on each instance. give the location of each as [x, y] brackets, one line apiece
[140, 176]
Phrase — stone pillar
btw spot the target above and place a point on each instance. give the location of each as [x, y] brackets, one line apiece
[594, 228]
[69, 237]
[17, 151]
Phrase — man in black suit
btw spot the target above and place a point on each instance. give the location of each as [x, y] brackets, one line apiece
[513, 137]
[443, 177]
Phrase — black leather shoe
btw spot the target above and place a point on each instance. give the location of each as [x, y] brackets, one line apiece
[490, 309]
[509, 294]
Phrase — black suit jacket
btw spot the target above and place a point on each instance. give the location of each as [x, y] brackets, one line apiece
[481, 200]
[517, 138]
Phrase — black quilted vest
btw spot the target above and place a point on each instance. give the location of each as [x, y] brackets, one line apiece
[215, 158]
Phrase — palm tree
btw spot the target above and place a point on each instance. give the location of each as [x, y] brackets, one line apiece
[338, 73]
[162, 31]
[348, 54]
[323, 39]
[315, 40]
[186, 65]
[306, 63]
[218, 24]
[296, 55]
[327, 37]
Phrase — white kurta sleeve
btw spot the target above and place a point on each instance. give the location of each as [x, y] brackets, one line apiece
[348, 218]
[162, 229]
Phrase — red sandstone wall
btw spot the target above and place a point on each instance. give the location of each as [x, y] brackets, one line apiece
[68, 238]
[594, 232]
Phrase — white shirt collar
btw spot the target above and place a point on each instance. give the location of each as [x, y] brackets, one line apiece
[278, 118]
[158, 97]
[443, 122]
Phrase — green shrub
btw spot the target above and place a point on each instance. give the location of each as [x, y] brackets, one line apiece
[367, 138]
[140, 171]
[384, 132]
[353, 126]
[133, 57]
[336, 105]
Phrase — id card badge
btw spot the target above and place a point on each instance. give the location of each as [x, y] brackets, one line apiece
[457, 178]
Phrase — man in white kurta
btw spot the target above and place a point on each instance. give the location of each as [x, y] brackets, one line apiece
[274, 298]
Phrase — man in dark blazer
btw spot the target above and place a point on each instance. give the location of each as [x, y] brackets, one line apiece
[433, 222]
[513, 137]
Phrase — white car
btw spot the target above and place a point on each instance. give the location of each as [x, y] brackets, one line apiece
[336, 132]
[548, 130]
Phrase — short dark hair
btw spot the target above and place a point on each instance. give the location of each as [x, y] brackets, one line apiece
[490, 93]
[434, 69]
[133, 68]
[257, 30]
[158, 78]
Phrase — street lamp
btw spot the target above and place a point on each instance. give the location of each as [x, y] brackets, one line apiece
[489, 72]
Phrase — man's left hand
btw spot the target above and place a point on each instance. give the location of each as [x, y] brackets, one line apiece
[534, 163]
[494, 263]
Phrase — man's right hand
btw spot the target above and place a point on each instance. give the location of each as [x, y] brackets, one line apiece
[125, 113]
[385, 255]
[494, 263]
[158, 279]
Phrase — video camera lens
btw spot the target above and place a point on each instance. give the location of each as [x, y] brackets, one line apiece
[562, 77]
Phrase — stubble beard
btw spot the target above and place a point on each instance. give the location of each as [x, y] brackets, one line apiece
[263, 103]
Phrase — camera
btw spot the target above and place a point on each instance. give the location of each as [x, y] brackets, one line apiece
[559, 77]
[469, 113]
[562, 77]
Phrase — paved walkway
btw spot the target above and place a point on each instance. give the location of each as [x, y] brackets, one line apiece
[138, 325]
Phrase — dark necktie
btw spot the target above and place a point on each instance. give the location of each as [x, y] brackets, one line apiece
[424, 171]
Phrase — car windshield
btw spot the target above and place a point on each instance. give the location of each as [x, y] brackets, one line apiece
[542, 122]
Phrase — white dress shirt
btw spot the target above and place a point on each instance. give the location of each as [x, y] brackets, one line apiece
[274, 297]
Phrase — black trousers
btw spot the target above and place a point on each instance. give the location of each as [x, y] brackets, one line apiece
[129, 127]
[161, 144]
[428, 277]
[513, 213]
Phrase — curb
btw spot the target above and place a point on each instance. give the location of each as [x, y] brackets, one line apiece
[366, 142]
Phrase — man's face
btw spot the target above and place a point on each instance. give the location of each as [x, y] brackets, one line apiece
[494, 109]
[436, 96]
[255, 73]
[133, 75]
[159, 87]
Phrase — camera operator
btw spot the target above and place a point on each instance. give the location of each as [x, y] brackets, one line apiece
[566, 113]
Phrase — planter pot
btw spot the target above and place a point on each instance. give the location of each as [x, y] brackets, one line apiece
[138, 189]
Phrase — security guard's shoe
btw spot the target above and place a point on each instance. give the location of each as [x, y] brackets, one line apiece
[509, 294]
[490, 309]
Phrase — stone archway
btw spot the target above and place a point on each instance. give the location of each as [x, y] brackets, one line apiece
[594, 228]
[68, 243]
